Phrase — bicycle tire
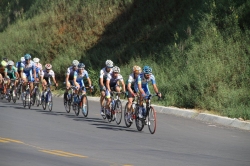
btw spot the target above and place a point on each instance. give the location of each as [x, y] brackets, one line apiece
[77, 109]
[118, 112]
[50, 101]
[128, 124]
[24, 101]
[29, 101]
[44, 104]
[151, 120]
[9, 97]
[84, 109]
[13, 96]
[139, 122]
[33, 99]
[38, 97]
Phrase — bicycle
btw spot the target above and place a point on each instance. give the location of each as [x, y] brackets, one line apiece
[46, 99]
[19, 89]
[79, 104]
[149, 118]
[115, 113]
[36, 98]
[135, 105]
[11, 91]
[69, 99]
[26, 96]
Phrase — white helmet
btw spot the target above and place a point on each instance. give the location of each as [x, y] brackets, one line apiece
[22, 59]
[48, 66]
[116, 69]
[10, 63]
[36, 60]
[75, 62]
[109, 63]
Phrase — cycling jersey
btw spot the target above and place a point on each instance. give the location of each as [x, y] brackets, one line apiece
[79, 78]
[104, 74]
[113, 80]
[28, 70]
[144, 82]
[71, 73]
[45, 74]
[37, 71]
[11, 73]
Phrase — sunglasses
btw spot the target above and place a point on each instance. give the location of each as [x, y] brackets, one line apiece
[81, 68]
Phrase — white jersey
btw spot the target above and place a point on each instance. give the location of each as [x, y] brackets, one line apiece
[46, 74]
[113, 80]
[104, 73]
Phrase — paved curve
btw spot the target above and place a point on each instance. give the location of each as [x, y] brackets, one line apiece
[38, 137]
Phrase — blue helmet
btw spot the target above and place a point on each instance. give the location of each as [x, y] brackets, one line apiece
[81, 65]
[27, 56]
[147, 70]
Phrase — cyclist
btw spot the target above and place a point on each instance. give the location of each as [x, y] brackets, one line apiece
[27, 71]
[48, 72]
[3, 64]
[38, 67]
[131, 90]
[11, 73]
[145, 77]
[70, 75]
[81, 73]
[102, 82]
[112, 84]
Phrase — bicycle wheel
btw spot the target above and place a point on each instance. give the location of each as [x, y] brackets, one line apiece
[29, 100]
[24, 100]
[151, 120]
[38, 97]
[139, 122]
[128, 124]
[66, 102]
[84, 106]
[8, 97]
[76, 106]
[44, 104]
[33, 99]
[50, 101]
[118, 111]
[19, 92]
[13, 94]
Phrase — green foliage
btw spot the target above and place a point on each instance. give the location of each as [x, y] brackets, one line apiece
[199, 50]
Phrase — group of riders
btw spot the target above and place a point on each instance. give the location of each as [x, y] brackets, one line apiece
[110, 79]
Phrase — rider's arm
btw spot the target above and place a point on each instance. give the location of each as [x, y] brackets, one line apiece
[89, 81]
[123, 86]
[101, 78]
[107, 85]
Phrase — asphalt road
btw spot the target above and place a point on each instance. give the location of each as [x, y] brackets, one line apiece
[34, 137]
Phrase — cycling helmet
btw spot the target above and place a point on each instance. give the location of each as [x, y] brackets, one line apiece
[5, 59]
[81, 65]
[27, 56]
[147, 70]
[22, 59]
[36, 60]
[137, 69]
[109, 63]
[48, 66]
[3, 63]
[10, 63]
[75, 62]
[116, 69]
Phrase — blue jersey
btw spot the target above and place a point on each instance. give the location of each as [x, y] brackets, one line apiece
[18, 65]
[37, 71]
[28, 70]
[144, 82]
[79, 77]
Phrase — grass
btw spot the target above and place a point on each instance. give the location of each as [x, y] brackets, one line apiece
[199, 50]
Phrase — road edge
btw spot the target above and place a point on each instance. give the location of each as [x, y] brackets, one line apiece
[187, 113]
